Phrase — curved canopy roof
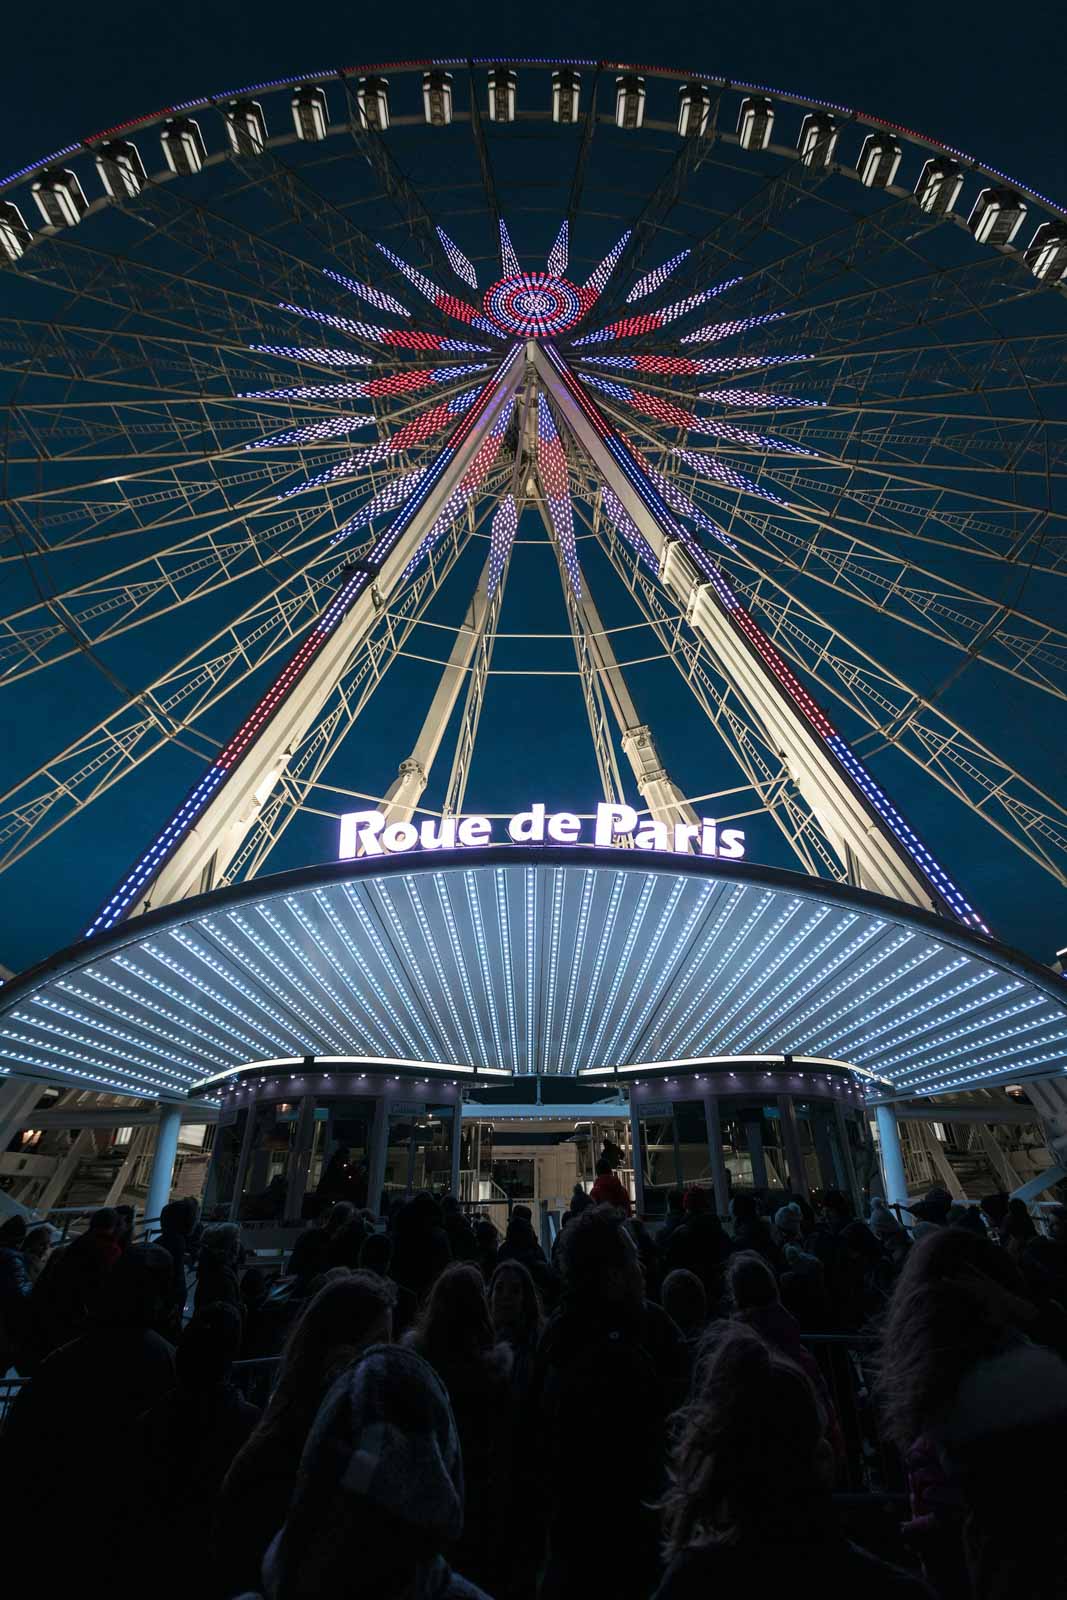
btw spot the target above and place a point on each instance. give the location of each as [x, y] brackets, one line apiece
[533, 959]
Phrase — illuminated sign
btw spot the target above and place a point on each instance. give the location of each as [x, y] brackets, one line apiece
[366, 833]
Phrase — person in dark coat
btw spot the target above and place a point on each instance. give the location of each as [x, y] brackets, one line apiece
[699, 1245]
[751, 1473]
[175, 1222]
[520, 1244]
[455, 1335]
[378, 1507]
[420, 1244]
[16, 1286]
[605, 1340]
[461, 1240]
[90, 1394]
[217, 1280]
[186, 1444]
[342, 1321]
[753, 1232]
[377, 1256]
[1044, 1260]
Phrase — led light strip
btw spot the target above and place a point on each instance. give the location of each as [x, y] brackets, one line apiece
[592, 988]
[482, 951]
[299, 954]
[649, 321]
[650, 953]
[395, 338]
[878, 802]
[461, 265]
[392, 384]
[632, 934]
[737, 974]
[722, 916]
[559, 254]
[552, 470]
[355, 900]
[359, 960]
[504, 930]
[659, 275]
[374, 297]
[588, 885]
[450, 304]
[292, 672]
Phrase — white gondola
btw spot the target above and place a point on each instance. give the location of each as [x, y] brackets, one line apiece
[246, 127]
[184, 150]
[818, 139]
[503, 87]
[694, 110]
[311, 113]
[996, 216]
[939, 185]
[1046, 254]
[60, 197]
[121, 169]
[14, 234]
[566, 90]
[372, 97]
[437, 98]
[629, 101]
[879, 160]
[755, 123]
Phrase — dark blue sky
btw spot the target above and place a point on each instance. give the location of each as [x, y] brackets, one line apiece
[983, 78]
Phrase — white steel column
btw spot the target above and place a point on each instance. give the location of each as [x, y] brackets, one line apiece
[845, 1145]
[883, 865]
[379, 1149]
[162, 1174]
[787, 1121]
[227, 818]
[457, 1149]
[300, 1165]
[406, 790]
[637, 1158]
[719, 1178]
[661, 795]
[893, 1179]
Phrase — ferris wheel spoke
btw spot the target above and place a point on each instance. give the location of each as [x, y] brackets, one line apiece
[57, 627]
[779, 473]
[983, 629]
[1032, 819]
[760, 763]
[165, 712]
[361, 678]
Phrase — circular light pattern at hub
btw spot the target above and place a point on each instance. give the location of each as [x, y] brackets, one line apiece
[532, 303]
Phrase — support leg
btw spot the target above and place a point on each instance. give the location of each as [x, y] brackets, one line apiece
[719, 1178]
[159, 1182]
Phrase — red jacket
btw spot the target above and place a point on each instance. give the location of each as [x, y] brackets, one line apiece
[608, 1191]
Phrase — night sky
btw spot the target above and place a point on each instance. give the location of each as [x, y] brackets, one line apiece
[981, 78]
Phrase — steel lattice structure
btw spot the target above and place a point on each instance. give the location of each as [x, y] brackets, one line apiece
[788, 377]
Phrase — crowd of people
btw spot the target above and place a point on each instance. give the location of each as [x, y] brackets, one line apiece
[645, 1410]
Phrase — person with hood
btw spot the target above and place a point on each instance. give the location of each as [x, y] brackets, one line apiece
[378, 1505]
[520, 1244]
[175, 1223]
[750, 1478]
[890, 1232]
[518, 1318]
[187, 1442]
[16, 1287]
[685, 1302]
[344, 1319]
[455, 1334]
[605, 1340]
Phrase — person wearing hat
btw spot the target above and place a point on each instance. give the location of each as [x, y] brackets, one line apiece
[379, 1494]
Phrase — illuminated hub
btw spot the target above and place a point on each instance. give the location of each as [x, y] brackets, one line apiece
[533, 304]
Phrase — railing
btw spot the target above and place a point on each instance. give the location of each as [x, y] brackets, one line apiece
[872, 1468]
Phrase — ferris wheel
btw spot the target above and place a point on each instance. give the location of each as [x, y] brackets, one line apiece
[296, 374]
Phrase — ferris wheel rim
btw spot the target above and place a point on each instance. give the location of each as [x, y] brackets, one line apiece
[343, 74]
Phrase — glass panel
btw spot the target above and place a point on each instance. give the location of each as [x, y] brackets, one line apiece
[433, 1150]
[263, 1195]
[340, 1153]
[226, 1157]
